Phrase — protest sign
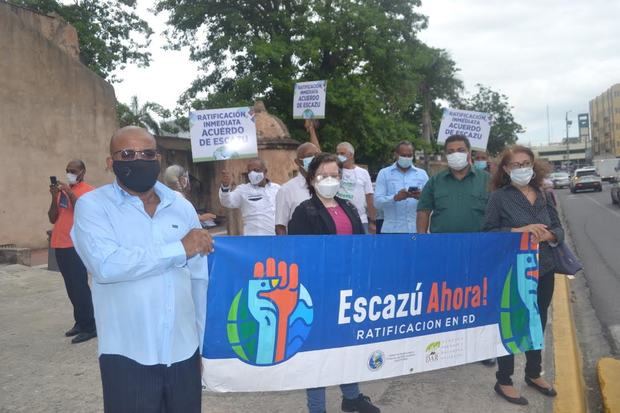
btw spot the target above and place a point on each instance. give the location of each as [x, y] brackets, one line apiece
[476, 126]
[219, 134]
[309, 100]
[310, 311]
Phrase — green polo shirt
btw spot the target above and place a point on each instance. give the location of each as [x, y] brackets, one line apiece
[457, 206]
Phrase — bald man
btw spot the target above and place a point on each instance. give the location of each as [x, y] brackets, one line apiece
[74, 274]
[147, 254]
[256, 199]
[295, 191]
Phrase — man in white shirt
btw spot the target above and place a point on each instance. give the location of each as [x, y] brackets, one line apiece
[356, 186]
[257, 199]
[295, 191]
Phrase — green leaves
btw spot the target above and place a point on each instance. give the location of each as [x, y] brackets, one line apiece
[110, 32]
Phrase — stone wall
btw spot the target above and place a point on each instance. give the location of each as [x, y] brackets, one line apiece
[52, 109]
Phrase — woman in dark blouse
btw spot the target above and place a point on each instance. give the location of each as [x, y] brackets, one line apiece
[326, 214]
[519, 204]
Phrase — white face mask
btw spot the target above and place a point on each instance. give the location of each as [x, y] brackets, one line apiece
[306, 162]
[405, 162]
[256, 177]
[72, 178]
[342, 158]
[328, 187]
[522, 176]
[457, 161]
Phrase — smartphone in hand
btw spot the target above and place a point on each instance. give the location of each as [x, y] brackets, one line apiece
[413, 189]
[53, 181]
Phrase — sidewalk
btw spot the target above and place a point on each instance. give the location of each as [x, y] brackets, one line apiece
[43, 372]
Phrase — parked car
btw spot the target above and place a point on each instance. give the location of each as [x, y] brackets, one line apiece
[615, 194]
[560, 179]
[607, 168]
[586, 178]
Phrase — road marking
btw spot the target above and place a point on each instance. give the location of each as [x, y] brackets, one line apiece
[603, 206]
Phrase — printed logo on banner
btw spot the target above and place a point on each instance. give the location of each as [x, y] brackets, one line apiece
[432, 352]
[375, 361]
[517, 318]
[269, 321]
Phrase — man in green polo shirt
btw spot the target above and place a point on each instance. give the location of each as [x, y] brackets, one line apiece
[456, 197]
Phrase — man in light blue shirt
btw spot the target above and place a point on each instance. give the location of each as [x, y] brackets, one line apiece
[397, 190]
[146, 251]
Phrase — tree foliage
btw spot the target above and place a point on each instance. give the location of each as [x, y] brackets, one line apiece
[143, 116]
[504, 128]
[110, 32]
[366, 50]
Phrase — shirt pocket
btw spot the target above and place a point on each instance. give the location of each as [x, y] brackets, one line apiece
[442, 202]
[479, 202]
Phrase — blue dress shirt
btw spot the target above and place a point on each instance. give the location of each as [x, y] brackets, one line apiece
[149, 300]
[398, 216]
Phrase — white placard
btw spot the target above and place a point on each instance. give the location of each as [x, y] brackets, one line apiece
[473, 125]
[220, 134]
[309, 100]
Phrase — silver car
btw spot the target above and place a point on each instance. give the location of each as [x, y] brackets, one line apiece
[560, 179]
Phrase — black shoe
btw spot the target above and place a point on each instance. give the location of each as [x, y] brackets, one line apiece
[547, 391]
[362, 404]
[73, 332]
[516, 400]
[82, 337]
[488, 362]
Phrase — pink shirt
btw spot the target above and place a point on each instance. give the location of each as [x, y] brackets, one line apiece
[341, 220]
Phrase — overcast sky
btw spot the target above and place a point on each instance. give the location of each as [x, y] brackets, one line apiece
[559, 53]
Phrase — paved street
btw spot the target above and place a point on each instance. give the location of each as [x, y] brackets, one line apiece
[42, 372]
[594, 223]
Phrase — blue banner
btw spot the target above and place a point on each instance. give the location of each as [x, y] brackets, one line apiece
[354, 308]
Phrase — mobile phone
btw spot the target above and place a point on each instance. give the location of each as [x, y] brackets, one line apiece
[53, 180]
[413, 189]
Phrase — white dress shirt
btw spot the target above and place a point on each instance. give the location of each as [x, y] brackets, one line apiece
[257, 204]
[291, 194]
[149, 300]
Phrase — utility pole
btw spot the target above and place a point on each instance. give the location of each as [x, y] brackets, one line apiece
[568, 123]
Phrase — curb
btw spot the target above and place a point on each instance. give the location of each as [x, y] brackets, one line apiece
[567, 356]
[608, 371]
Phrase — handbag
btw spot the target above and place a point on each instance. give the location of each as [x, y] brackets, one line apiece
[565, 261]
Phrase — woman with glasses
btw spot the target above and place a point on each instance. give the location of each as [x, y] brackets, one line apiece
[519, 204]
[326, 214]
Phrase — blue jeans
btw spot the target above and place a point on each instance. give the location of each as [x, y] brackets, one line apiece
[316, 397]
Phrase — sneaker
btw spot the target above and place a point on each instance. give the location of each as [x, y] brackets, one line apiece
[362, 404]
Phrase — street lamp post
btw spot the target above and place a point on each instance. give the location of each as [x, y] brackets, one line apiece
[568, 123]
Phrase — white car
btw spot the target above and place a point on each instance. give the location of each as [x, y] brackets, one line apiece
[586, 178]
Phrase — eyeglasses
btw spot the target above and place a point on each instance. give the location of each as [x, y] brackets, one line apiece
[319, 178]
[131, 154]
[516, 165]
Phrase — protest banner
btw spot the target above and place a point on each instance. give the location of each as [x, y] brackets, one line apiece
[309, 100]
[476, 126]
[219, 134]
[310, 311]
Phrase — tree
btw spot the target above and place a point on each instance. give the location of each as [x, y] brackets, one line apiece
[110, 33]
[366, 50]
[504, 129]
[136, 115]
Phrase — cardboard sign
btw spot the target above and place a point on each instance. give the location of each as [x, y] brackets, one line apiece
[309, 100]
[220, 134]
[475, 126]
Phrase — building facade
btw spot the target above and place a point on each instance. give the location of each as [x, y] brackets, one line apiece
[605, 121]
[563, 155]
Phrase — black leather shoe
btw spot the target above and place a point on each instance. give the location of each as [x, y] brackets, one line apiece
[488, 362]
[73, 332]
[82, 337]
[547, 391]
[362, 404]
[516, 400]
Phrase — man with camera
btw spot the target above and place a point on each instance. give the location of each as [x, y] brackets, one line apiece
[397, 191]
[71, 267]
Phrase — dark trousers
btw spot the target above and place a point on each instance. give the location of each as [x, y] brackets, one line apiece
[533, 358]
[130, 387]
[76, 282]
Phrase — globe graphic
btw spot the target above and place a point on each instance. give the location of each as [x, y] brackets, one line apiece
[243, 329]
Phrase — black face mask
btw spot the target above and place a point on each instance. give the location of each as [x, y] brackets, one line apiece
[138, 175]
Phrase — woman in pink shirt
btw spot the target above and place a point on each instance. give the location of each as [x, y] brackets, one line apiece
[326, 214]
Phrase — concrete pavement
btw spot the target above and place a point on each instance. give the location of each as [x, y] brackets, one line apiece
[41, 371]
